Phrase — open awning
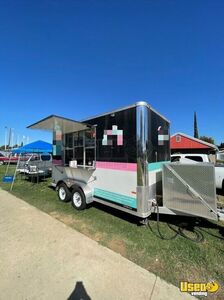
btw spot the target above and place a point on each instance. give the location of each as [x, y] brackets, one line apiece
[55, 123]
[35, 147]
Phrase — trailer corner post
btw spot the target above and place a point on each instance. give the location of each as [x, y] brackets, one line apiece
[142, 140]
[142, 135]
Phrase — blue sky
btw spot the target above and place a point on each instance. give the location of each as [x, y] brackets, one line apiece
[79, 58]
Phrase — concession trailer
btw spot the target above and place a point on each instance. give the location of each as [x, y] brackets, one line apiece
[122, 159]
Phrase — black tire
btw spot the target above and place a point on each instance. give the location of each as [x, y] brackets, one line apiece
[78, 199]
[64, 194]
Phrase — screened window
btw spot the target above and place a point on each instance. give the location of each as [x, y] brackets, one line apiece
[68, 140]
[90, 138]
[90, 156]
[79, 155]
[80, 146]
[78, 138]
[68, 156]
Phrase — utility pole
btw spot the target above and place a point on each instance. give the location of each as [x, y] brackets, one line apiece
[16, 140]
[12, 138]
[6, 131]
[18, 144]
[9, 141]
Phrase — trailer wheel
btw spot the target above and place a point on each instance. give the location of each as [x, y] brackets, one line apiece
[64, 194]
[78, 199]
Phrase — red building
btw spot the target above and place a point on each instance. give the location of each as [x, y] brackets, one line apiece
[183, 143]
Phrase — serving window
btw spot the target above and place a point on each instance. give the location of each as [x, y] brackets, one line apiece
[80, 147]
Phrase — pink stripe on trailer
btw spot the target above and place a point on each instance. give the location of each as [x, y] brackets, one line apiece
[116, 166]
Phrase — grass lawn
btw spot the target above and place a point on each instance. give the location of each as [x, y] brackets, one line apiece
[173, 259]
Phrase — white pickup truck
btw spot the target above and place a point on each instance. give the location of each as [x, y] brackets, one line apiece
[219, 168]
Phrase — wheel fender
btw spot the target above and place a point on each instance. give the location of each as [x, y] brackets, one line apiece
[58, 183]
[86, 190]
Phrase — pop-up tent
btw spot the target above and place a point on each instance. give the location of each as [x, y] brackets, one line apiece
[35, 147]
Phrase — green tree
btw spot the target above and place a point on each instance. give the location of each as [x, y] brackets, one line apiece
[207, 139]
[195, 126]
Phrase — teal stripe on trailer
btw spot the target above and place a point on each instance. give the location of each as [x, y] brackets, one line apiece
[156, 165]
[118, 198]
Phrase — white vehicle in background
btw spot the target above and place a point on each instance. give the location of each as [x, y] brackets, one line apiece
[194, 156]
[40, 164]
[220, 157]
[199, 158]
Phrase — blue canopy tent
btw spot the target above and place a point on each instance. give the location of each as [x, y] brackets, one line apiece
[35, 147]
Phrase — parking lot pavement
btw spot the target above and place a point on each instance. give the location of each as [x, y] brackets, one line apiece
[42, 258]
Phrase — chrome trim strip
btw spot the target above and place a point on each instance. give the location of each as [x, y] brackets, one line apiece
[142, 140]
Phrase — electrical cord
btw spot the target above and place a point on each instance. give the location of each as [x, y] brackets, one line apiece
[199, 237]
[212, 234]
[158, 228]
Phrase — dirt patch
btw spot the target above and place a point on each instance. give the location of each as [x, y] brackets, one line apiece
[99, 236]
[67, 219]
[54, 214]
[117, 246]
[84, 229]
